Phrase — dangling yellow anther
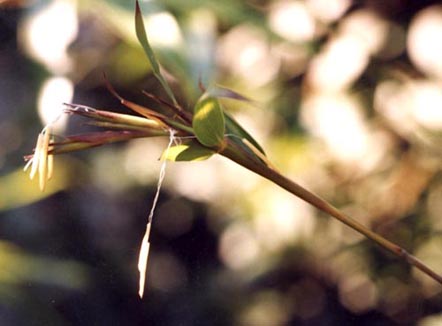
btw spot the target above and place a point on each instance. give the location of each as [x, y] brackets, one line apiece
[142, 260]
[50, 166]
[43, 159]
[36, 156]
[145, 245]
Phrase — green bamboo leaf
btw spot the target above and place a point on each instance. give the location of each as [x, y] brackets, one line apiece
[188, 152]
[142, 38]
[232, 126]
[208, 121]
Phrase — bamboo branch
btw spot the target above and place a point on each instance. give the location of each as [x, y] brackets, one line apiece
[234, 153]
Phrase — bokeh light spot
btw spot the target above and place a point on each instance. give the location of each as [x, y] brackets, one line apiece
[423, 43]
[54, 92]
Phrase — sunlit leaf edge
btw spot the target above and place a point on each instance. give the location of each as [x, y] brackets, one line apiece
[188, 152]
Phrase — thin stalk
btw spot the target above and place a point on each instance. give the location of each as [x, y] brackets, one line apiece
[185, 116]
[234, 153]
[179, 126]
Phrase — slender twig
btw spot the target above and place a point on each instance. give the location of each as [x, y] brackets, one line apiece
[185, 116]
[267, 172]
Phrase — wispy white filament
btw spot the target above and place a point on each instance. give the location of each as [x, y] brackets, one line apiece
[144, 251]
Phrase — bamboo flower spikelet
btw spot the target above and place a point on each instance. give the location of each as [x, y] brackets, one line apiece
[42, 162]
[205, 130]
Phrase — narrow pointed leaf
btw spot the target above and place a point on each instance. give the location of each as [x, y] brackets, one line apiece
[233, 127]
[208, 122]
[142, 38]
[188, 152]
[220, 91]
